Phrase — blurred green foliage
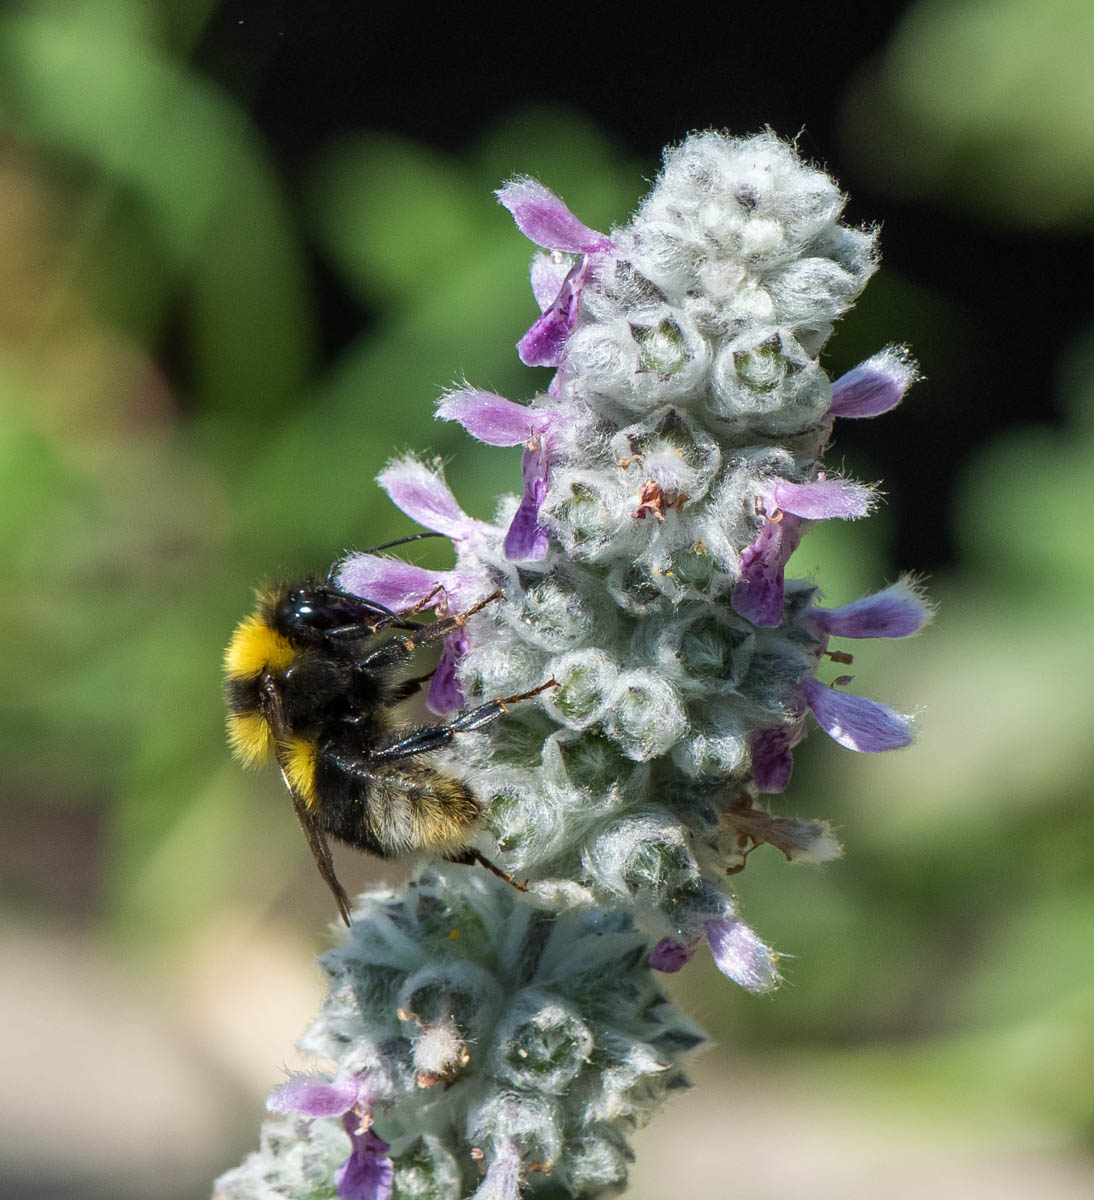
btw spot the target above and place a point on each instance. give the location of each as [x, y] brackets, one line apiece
[951, 953]
[986, 104]
[145, 508]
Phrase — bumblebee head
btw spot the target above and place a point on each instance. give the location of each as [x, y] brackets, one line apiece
[313, 614]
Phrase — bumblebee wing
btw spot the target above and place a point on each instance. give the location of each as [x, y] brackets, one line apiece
[320, 848]
[317, 839]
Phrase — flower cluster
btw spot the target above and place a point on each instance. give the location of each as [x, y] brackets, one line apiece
[668, 474]
[487, 1039]
[503, 1041]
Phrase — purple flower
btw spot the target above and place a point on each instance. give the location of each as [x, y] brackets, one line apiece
[445, 693]
[758, 594]
[368, 1172]
[526, 537]
[545, 341]
[896, 612]
[401, 585]
[738, 953]
[543, 218]
[500, 422]
[772, 762]
[669, 956]
[315, 1097]
[493, 419]
[874, 386]
[854, 721]
[424, 495]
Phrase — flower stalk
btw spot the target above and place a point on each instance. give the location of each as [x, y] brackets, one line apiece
[488, 1043]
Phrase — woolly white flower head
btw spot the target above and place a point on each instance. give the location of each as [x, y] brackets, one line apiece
[502, 1041]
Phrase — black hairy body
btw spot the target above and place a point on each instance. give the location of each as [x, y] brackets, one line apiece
[312, 683]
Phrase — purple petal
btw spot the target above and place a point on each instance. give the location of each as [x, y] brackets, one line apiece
[547, 276]
[495, 420]
[400, 585]
[527, 538]
[823, 499]
[854, 721]
[772, 761]
[898, 611]
[739, 954]
[315, 1097]
[424, 495]
[489, 417]
[758, 594]
[543, 218]
[368, 1173]
[544, 344]
[874, 386]
[669, 956]
[445, 693]
[502, 1180]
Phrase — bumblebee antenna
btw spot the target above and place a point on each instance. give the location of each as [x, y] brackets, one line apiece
[413, 537]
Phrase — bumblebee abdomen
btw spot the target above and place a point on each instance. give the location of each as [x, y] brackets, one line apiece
[391, 812]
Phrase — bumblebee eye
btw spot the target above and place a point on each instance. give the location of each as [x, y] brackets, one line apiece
[315, 611]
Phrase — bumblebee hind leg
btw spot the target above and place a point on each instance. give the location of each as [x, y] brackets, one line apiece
[471, 857]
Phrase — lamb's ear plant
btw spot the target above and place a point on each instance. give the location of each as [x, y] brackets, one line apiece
[479, 1041]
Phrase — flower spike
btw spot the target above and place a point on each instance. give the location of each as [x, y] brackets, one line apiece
[623, 706]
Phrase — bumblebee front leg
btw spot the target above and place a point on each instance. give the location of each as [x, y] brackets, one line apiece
[401, 646]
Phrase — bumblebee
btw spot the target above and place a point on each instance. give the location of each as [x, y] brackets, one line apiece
[311, 685]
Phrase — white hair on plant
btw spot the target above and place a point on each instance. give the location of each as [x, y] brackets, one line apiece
[484, 1042]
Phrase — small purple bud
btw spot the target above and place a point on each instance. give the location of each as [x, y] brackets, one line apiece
[543, 218]
[669, 956]
[874, 386]
[740, 955]
[527, 538]
[368, 1173]
[855, 722]
[897, 612]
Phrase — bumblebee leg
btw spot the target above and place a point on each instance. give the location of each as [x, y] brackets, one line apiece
[409, 687]
[471, 857]
[493, 709]
[435, 737]
[393, 652]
